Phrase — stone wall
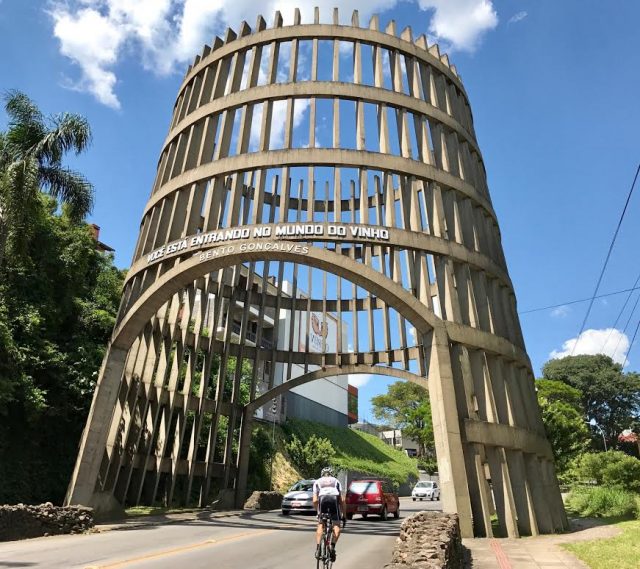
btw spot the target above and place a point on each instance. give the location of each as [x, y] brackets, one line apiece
[22, 522]
[263, 501]
[428, 540]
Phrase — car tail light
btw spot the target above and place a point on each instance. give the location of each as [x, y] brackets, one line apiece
[377, 498]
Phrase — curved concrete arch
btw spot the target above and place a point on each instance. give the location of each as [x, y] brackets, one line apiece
[333, 372]
[490, 434]
[322, 89]
[389, 291]
[175, 279]
[320, 157]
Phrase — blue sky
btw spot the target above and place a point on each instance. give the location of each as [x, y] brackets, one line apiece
[554, 88]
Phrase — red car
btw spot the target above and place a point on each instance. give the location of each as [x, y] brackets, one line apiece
[377, 497]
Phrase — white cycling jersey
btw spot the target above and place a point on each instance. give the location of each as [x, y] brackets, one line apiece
[327, 486]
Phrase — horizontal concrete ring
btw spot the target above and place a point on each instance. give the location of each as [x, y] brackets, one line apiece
[400, 239]
[322, 32]
[320, 157]
[320, 90]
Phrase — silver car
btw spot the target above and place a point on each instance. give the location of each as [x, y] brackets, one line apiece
[299, 498]
[425, 490]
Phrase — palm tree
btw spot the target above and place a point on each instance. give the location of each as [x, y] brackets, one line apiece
[31, 153]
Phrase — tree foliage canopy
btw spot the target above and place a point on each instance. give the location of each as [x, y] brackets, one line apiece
[563, 419]
[31, 154]
[57, 308]
[406, 406]
[608, 395]
[58, 300]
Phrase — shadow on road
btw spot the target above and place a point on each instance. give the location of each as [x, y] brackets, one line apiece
[271, 520]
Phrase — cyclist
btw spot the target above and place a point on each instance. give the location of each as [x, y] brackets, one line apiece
[327, 498]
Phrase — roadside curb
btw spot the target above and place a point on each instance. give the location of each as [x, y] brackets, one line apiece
[139, 522]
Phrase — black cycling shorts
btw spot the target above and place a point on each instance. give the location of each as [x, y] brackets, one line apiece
[329, 505]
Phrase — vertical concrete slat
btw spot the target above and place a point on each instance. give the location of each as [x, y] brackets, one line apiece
[446, 429]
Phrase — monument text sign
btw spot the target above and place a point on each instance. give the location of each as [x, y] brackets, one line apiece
[284, 231]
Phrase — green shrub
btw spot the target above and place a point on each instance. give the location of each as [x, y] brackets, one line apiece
[428, 463]
[612, 468]
[603, 501]
[311, 456]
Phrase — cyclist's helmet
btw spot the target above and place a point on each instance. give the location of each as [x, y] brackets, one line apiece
[327, 471]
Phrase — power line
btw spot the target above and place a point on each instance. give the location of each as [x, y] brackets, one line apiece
[627, 324]
[630, 290]
[631, 345]
[606, 261]
[621, 312]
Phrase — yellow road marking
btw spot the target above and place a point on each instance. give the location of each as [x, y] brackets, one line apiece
[182, 549]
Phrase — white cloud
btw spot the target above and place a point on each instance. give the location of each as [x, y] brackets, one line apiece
[165, 35]
[195, 26]
[560, 311]
[93, 42]
[517, 17]
[609, 341]
[96, 34]
[461, 23]
[360, 380]
[278, 122]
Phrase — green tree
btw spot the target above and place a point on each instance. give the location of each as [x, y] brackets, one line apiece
[563, 419]
[406, 406]
[429, 464]
[244, 388]
[31, 154]
[608, 395]
[58, 302]
[260, 453]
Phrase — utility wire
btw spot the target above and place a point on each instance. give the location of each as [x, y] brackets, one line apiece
[630, 290]
[606, 261]
[631, 345]
[621, 312]
[627, 324]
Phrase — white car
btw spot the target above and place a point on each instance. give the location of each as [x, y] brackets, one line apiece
[425, 490]
[299, 498]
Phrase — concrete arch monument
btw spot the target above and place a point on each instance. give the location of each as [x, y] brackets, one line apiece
[314, 170]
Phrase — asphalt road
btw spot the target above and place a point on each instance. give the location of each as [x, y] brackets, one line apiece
[265, 540]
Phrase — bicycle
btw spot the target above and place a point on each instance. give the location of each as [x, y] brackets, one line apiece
[324, 561]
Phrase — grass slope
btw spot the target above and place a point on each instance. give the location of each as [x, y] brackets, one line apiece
[621, 552]
[360, 451]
